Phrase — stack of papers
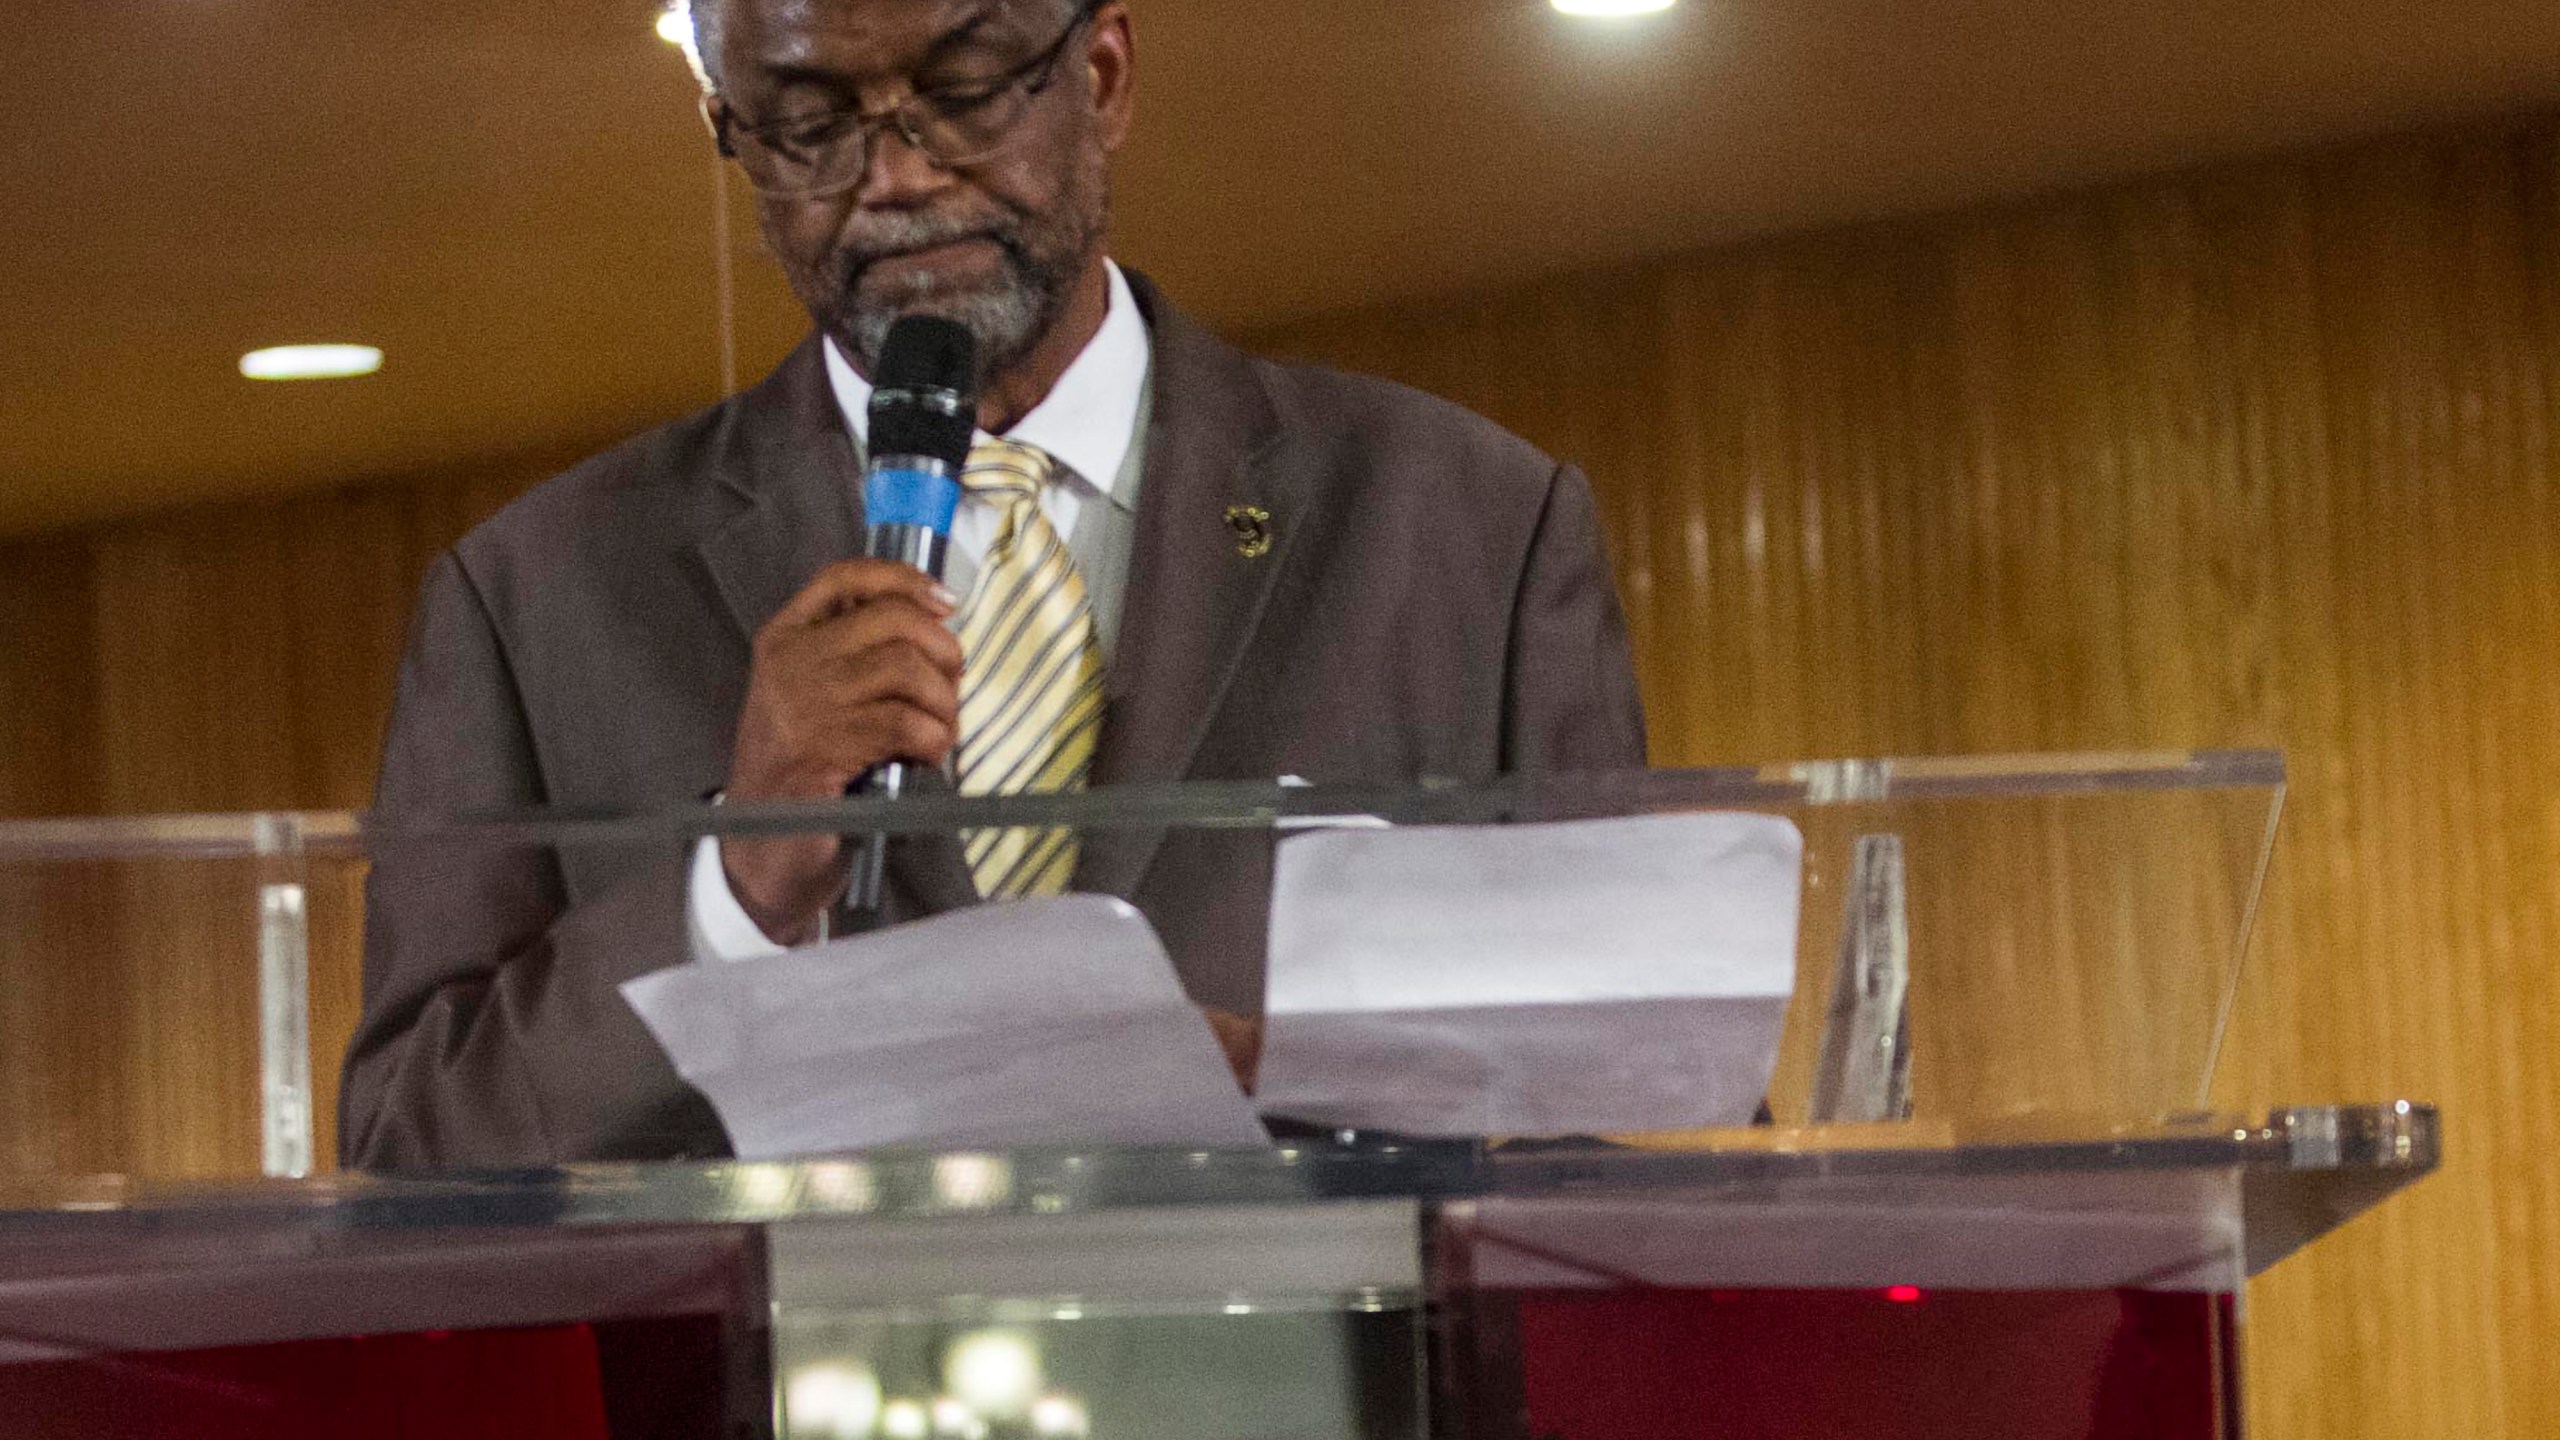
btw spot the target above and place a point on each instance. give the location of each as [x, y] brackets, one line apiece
[1601, 975]
[1038, 1022]
[1594, 976]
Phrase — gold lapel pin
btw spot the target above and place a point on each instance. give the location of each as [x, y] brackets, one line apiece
[1252, 525]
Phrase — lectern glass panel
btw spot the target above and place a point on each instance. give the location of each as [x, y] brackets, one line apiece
[2060, 1282]
[1974, 939]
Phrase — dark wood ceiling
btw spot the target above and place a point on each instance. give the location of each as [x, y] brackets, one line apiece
[515, 200]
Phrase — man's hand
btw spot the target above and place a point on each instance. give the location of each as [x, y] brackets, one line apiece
[1242, 1040]
[857, 670]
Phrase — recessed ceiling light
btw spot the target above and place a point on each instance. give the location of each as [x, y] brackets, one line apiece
[310, 362]
[1605, 8]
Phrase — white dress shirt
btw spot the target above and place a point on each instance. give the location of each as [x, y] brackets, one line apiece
[1093, 423]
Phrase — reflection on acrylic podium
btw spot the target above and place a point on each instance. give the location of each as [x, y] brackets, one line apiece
[1990, 1199]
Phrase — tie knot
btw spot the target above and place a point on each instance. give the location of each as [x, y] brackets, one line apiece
[1007, 472]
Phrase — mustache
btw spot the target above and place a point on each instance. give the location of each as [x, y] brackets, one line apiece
[887, 235]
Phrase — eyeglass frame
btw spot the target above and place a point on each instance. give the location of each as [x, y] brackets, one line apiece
[867, 128]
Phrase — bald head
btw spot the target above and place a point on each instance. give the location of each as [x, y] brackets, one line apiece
[933, 157]
[709, 24]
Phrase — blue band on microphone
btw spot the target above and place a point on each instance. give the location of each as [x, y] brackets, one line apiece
[910, 497]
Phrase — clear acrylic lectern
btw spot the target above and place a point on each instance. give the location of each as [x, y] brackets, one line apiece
[1986, 1194]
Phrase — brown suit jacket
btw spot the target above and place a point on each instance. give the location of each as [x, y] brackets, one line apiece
[1435, 603]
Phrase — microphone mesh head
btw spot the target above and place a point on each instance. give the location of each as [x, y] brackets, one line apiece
[927, 352]
[924, 399]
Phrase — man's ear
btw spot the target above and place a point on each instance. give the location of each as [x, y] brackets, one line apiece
[1111, 68]
[717, 117]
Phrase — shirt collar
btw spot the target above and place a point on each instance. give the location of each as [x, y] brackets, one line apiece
[1089, 419]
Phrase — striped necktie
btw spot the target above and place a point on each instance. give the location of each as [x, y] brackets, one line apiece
[1031, 686]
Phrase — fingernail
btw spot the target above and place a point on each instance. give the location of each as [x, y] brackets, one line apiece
[943, 597]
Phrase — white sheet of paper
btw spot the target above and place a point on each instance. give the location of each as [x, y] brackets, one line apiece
[1594, 975]
[1034, 1022]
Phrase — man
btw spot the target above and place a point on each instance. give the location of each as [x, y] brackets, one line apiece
[1225, 568]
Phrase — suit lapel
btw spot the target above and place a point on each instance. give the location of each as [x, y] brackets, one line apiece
[785, 454]
[1194, 599]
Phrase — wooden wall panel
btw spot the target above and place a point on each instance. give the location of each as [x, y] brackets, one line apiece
[232, 659]
[53, 1015]
[49, 758]
[2259, 457]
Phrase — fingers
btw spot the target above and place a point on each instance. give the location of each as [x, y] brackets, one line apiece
[899, 672]
[883, 623]
[849, 584]
[889, 702]
[857, 669]
[787, 752]
[883, 732]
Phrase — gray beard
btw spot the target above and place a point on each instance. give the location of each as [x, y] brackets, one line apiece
[1006, 321]
[1042, 260]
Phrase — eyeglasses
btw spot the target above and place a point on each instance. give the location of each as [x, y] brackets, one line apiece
[829, 152]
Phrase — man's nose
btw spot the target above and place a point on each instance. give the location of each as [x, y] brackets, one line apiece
[899, 172]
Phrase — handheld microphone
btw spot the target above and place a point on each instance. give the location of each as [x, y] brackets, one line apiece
[924, 411]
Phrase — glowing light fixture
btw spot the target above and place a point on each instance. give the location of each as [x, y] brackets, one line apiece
[843, 1185]
[832, 1402]
[1905, 1294]
[1605, 8]
[955, 1421]
[675, 26]
[763, 1187]
[1061, 1417]
[905, 1420]
[972, 1182]
[994, 1373]
[310, 362]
